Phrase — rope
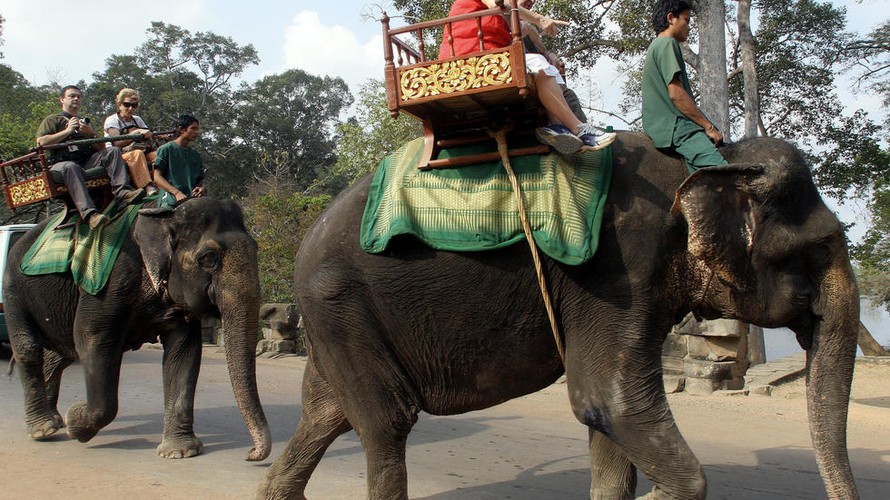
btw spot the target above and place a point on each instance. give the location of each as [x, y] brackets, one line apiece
[501, 138]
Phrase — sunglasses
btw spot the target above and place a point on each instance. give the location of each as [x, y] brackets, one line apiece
[133, 105]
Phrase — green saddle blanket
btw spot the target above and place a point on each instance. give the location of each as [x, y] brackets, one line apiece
[473, 208]
[89, 255]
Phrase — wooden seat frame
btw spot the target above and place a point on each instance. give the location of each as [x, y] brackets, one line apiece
[459, 99]
[28, 179]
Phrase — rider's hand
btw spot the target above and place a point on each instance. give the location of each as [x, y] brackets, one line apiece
[715, 135]
[550, 26]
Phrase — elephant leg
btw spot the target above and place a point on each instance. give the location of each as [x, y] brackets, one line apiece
[321, 422]
[40, 416]
[53, 366]
[612, 474]
[182, 362]
[101, 359]
[624, 400]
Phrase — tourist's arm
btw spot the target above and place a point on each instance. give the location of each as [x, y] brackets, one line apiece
[686, 105]
[57, 137]
[162, 183]
[547, 25]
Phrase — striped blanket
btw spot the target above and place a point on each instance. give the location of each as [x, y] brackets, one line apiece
[473, 208]
[88, 255]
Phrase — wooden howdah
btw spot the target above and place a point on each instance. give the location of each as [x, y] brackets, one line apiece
[27, 179]
[460, 99]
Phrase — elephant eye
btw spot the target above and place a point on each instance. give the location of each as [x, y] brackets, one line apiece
[208, 259]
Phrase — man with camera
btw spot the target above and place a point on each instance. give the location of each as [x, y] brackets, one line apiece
[73, 161]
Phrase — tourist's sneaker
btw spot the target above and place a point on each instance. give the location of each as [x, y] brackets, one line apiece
[132, 196]
[593, 141]
[98, 220]
[559, 138]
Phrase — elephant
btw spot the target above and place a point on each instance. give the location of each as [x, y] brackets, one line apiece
[417, 329]
[174, 268]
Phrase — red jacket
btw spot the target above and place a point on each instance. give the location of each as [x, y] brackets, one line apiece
[495, 31]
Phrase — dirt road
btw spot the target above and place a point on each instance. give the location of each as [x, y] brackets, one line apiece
[530, 448]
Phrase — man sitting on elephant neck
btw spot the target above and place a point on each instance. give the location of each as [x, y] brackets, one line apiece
[71, 162]
[178, 168]
[670, 116]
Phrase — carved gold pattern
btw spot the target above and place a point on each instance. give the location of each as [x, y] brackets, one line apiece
[29, 191]
[489, 70]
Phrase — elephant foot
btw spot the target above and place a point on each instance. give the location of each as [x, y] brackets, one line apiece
[272, 490]
[78, 423]
[44, 430]
[182, 447]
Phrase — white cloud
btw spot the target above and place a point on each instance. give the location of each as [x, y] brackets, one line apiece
[332, 50]
[49, 40]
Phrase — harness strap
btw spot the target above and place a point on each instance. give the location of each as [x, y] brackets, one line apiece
[501, 138]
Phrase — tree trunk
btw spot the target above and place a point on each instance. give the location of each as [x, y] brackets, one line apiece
[868, 344]
[749, 69]
[711, 68]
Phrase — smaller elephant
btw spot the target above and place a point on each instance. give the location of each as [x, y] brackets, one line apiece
[174, 268]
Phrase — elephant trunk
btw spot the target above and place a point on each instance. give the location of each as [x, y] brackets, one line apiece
[830, 361]
[238, 299]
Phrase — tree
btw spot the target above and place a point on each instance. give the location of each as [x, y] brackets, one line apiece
[278, 217]
[179, 72]
[295, 116]
[372, 134]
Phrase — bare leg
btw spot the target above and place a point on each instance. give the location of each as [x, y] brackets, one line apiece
[551, 96]
[321, 422]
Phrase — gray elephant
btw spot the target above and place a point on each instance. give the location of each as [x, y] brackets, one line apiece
[416, 329]
[174, 268]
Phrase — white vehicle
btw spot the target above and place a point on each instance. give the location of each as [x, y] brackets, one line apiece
[8, 236]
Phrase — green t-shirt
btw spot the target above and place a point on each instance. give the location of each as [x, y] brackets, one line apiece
[56, 123]
[664, 60]
[182, 167]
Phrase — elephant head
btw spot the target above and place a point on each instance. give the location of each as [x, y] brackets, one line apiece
[201, 258]
[771, 253]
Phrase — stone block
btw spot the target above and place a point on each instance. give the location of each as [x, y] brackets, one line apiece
[712, 348]
[718, 328]
[277, 346]
[701, 386]
[674, 346]
[761, 390]
[674, 383]
[688, 326]
[279, 321]
[711, 370]
[671, 364]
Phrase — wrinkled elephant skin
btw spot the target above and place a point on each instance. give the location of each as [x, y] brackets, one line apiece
[415, 329]
[174, 268]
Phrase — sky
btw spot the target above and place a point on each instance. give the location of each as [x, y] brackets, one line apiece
[333, 38]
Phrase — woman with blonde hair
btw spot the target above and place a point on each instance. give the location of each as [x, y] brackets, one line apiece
[137, 154]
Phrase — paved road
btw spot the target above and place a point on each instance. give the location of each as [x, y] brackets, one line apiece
[529, 448]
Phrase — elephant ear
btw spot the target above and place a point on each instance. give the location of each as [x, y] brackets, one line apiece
[154, 236]
[722, 216]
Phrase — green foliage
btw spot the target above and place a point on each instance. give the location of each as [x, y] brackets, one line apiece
[294, 114]
[278, 218]
[179, 72]
[372, 134]
[22, 107]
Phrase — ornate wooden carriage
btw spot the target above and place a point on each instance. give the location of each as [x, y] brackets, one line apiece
[459, 98]
[28, 179]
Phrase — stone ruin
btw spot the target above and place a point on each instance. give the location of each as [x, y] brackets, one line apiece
[282, 330]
